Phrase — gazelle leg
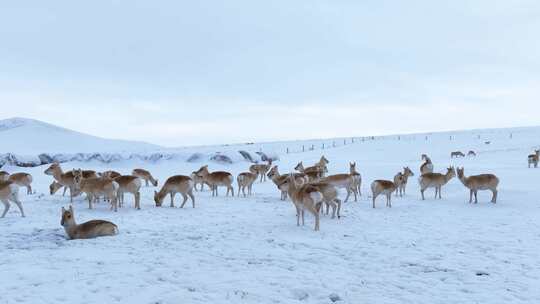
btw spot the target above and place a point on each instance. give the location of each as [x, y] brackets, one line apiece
[185, 200]
[6, 207]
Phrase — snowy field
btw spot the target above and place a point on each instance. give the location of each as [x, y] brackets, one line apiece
[249, 250]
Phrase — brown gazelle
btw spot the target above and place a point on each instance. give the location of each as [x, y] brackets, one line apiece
[22, 180]
[330, 195]
[261, 169]
[110, 174]
[427, 166]
[313, 173]
[4, 176]
[456, 154]
[479, 182]
[385, 187]
[88, 230]
[435, 180]
[246, 180]
[198, 180]
[145, 175]
[9, 193]
[129, 184]
[534, 158]
[305, 197]
[401, 180]
[176, 184]
[216, 179]
[345, 181]
[357, 178]
[95, 187]
[281, 180]
[65, 179]
[55, 186]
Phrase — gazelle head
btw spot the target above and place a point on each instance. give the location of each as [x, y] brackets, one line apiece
[273, 172]
[323, 161]
[52, 168]
[203, 171]
[450, 172]
[67, 216]
[299, 167]
[461, 172]
[54, 186]
[408, 171]
[158, 199]
[77, 176]
[424, 157]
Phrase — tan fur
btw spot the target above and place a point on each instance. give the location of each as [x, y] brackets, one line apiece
[4, 176]
[95, 187]
[261, 170]
[176, 184]
[9, 193]
[246, 180]
[436, 180]
[65, 179]
[305, 197]
[534, 158]
[385, 187]
[88, 230]
[427, 166]
[401, 180]
[345, 181]
[357, 178]
[479, 182]
[330, 197]
[216, 179]
[313, 173]
[129, 184]
[110, 174]
[198, 180]
[145, 175]
[281, 180]
[456, 154]
[55, 186]
[22, 180]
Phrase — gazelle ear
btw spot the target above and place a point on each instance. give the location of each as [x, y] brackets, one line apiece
[71, 208]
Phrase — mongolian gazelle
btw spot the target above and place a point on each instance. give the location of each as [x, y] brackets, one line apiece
[385, 187]
[401, 180]
[357, 178]
[130, 184]
[534, 158]
[176, 184]
[216, 179]
[427, 166]
[346, 181]
[145, 175]
[435, 180]
[9, 192]
[22, 180]
[261, 169]
[55, 186]
[88, 230]
[246, 180]
[65, 179]
[95, 187]
[305, 197]
[479, 182]
[281, 180]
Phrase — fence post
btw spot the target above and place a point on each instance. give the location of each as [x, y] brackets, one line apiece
[333, 143]
[303, 150]
[287, 150]
[323, 146]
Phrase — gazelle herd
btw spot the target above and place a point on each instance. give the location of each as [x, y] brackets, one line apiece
[309, 188]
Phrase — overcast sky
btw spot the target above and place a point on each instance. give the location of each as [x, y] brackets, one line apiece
[199, 72]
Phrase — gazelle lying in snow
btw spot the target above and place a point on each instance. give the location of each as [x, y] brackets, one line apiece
[305, 197]
[281, 180]
[129, 184]
[246, 180]
[401, 180]
[534, 158]
[435, 180]
[427, 166]
[261, 169]
[9, 192]
[216, 179]
[145, 175]
[385, 187]
[88, 230]
[95, 187]
[22, 180]
[176, 184]
[479, 182]
[456, 154]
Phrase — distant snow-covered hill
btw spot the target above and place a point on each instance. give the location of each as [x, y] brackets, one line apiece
[28, 137]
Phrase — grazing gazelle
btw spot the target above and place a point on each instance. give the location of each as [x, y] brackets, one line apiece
[533, 158]
[246, 180]
[55, 186]
[305, 197]
[261, 169]
[456, 154]
[427, 166]
[22, 180]
[435, 180]
[145, 175]
[9, 192]
[130, 184]
[401, 180]
[4, 176]
[357, 178]
[65, 179]
[95, 187]
[176, 184]
[216, 179]
[471, 153]
[281, 180]
[88, 230]
[479, 182]
[385, 187]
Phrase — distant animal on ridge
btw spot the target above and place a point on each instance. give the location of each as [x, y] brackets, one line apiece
[456, 154]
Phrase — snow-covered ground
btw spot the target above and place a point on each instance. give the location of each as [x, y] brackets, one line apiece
[249, 250]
